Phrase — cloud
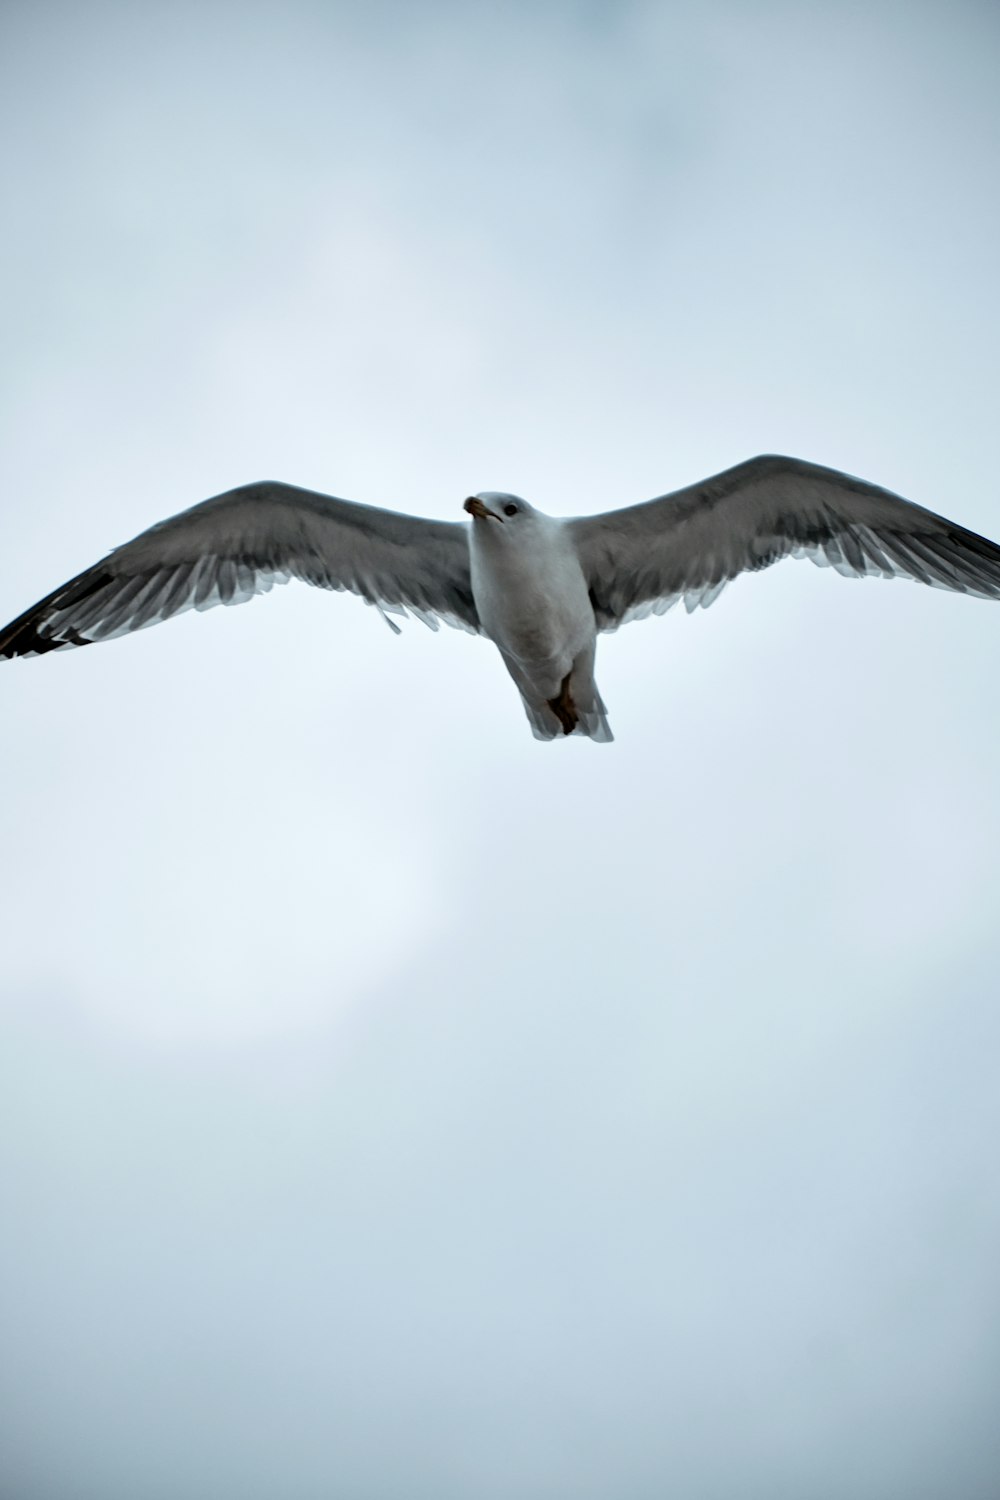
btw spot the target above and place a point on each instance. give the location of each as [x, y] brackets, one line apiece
[393, 1106]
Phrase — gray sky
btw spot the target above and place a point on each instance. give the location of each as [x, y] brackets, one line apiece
[393, 1106]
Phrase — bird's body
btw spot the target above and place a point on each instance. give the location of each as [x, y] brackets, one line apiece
[533, 604]
[540, 588]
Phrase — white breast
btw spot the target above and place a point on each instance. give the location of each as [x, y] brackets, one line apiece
[530, 591]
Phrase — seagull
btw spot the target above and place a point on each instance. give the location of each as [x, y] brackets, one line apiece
[539, 587]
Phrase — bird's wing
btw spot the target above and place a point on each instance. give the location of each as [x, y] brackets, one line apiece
[688, 545]
[235, 545]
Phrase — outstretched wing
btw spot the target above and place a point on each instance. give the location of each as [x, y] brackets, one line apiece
[688, 545]
[227, 549]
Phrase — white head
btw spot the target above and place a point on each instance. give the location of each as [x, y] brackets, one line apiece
[491, 507]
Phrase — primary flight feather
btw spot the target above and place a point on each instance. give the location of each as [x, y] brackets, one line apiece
[539, 587]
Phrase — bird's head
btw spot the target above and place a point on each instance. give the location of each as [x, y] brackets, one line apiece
[491, 509]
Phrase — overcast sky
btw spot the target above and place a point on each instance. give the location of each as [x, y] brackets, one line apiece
[393, 1106]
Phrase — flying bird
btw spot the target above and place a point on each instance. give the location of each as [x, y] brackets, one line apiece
[539, 587]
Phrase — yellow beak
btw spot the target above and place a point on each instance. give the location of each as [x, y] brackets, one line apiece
[482, 512]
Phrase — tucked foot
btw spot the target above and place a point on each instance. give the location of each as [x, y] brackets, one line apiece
[564, 708]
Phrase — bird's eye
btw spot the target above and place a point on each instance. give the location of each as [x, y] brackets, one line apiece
[510, 510]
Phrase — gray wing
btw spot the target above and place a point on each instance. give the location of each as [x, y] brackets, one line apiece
[227, 549]
[688, 545]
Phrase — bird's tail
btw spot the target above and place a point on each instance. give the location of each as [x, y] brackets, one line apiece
[591, 719]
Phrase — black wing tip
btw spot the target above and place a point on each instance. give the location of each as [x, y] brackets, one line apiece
[25, 636]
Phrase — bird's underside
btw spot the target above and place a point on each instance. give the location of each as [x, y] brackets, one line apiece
[563, 707]
[630, 563]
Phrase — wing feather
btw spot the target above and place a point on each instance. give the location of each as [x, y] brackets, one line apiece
[241, 543]
[690, 544]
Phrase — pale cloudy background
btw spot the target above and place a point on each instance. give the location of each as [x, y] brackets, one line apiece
[394, 1107]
